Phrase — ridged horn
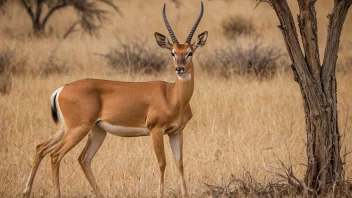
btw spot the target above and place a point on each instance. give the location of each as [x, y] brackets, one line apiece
[190, 35]
[172, 34]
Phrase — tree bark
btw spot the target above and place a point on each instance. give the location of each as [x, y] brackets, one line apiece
[318, 86]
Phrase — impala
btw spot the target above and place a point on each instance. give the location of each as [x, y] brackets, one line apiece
[127, 109]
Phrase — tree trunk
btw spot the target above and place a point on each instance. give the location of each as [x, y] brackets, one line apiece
[317, 83]
[323, 139]
[35, 15]
[38, 27]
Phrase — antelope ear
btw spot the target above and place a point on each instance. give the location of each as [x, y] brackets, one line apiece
[201, 40]
[162, 41]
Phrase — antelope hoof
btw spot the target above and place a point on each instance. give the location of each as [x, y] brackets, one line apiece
[26, 193]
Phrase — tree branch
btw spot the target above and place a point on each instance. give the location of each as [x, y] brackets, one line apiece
[289, 32]
[260, 1]
[336, 22]
[307, 23]
[39, 9]
[92, 15]
[71, 29]
[52, 10]
[28, 9]
[111, 4]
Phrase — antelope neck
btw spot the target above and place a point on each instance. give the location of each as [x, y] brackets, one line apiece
[183, 89]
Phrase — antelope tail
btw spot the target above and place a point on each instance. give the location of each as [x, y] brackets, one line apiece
[54, 113]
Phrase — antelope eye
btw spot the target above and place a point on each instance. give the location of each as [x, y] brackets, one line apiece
[172, 54]
[190, 54]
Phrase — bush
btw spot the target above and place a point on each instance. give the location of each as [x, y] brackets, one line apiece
[53, 65]
[137, 57]
[238, 25]
[256, 60]
[9, 66]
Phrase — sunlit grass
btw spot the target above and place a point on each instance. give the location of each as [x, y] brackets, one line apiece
[239, 124]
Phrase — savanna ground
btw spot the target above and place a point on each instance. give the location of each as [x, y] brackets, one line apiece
[243, 126]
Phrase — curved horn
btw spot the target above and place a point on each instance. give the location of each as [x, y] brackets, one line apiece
[172, 34]
[190, 35]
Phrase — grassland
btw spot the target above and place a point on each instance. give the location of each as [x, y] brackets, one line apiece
[240, 124]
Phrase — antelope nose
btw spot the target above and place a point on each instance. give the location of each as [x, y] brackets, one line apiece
[180, 70]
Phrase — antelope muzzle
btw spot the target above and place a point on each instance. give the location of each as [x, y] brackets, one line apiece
[180, 70]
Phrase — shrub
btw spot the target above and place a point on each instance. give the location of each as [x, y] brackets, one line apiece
[138, 57]
[9, 65]
[5, 61]
[256, 60]
[53, 65]
[238, 25]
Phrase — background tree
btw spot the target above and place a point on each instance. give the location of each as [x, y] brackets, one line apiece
[318, 87]
[91, 15]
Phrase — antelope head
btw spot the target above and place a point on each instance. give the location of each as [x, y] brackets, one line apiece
[182, 53]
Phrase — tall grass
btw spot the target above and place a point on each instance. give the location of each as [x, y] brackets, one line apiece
[240, 125]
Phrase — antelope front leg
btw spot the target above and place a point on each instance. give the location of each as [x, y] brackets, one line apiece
[158, 144]
[176, 143]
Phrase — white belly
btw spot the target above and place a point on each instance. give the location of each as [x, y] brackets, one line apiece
[123, 131]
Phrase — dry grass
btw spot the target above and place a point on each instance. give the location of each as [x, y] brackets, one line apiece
[239, 124]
